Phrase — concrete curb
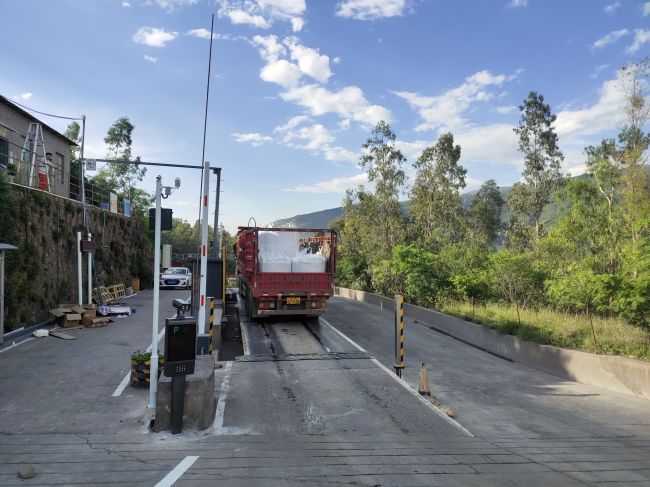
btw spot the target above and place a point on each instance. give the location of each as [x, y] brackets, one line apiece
[620, 374]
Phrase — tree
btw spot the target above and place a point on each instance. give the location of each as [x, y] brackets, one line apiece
[119, 141]
[383, 162]
[514, 278]
[412, 272]
[435, 200]
[542, 157]
[471, 285]
[634, 143]
[581, 235]
[485, 211]
[72, 133]
[580, 290]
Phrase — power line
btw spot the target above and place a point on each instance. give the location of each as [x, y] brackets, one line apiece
[43, 113]
[205, 118]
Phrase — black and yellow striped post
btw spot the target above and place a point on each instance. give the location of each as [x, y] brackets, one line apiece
[211, 325]
[399, 334]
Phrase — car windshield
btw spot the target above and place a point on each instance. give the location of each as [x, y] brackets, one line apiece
[176, 270]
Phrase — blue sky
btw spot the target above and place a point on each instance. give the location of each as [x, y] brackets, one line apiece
[298, 84]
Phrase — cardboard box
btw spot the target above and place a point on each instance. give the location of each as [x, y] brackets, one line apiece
[70, 320]
[94, 322]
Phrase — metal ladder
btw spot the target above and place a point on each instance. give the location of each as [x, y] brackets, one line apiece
[39, 173]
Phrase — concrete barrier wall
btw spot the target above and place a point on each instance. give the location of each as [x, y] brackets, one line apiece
[620, 374]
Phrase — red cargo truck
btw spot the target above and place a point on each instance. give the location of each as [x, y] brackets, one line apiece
[277, 284]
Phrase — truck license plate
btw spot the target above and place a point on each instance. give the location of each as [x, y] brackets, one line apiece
[293, 300]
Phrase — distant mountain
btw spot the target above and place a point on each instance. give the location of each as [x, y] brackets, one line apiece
[322, 219]
[318, 219]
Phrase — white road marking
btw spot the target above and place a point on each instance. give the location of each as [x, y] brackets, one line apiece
[223, 395]
[345, 337]
[175, 474]
[405, 384]
[125, 380]
[160, 335]
[14, 344]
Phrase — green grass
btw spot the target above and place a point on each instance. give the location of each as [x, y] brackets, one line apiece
[614, 336]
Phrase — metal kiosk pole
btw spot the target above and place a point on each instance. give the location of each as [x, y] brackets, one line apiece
[180, 357]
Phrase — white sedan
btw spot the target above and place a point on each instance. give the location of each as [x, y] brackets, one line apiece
[178, 277]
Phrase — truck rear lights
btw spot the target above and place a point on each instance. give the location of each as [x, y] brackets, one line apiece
[266, 305]
[318, 304]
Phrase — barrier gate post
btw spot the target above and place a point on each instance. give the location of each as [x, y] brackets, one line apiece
[399, 334]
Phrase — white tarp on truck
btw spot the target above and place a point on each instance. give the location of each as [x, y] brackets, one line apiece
[280, 252]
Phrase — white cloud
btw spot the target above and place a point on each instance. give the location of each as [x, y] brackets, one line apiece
[283, 8]
[153, 36]
[603, 115]
[598, 69]
[641, 36]
[310, 61]
[517, 3]
[446, 111]
[609, 38]
[25, 96]
[336, 60]
[281, 72]
[506, 109]
[151, 59]
[336, 185]
[310, 137]
[612, 7]
[348, 102]
[315, 138]
[371, 9]
[200, 33]
[339, 153]
[263, 13]
[269, 48]
[291, 123]
[496, 143]
[251, 138]
[241, 17]
[576, 128]
[344, 124]
[646, 9]
[171, 5]
[297, 24]
[126, 4]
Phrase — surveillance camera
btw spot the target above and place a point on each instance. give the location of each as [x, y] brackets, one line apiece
[177, 183]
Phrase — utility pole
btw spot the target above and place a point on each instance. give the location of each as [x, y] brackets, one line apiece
[204, 247]
[216, 213]
[153, 369]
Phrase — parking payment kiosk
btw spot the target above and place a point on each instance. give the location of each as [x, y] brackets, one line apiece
[180, 356]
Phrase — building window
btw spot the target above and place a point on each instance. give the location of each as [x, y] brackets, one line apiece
[60, 166]
[4, 153]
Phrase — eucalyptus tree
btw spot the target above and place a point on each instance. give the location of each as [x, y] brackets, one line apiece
[435, 209]
[542, 157]
[485, 211]
[383, 163]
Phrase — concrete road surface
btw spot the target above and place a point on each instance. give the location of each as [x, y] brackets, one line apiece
[306, 406]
